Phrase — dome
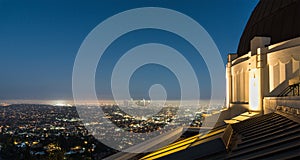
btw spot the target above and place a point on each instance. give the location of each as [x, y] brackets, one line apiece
[278, 19]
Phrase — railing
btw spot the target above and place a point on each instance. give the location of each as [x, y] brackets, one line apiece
[292, 90]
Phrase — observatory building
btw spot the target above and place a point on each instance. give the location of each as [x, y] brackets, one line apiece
[264, 73]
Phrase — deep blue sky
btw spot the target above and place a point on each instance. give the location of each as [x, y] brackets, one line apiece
[39, 41]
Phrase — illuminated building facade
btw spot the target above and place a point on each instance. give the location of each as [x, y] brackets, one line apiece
[264, 72]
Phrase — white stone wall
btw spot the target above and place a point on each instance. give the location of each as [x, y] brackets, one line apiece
[283, 65]
[263, 72]
[240, 81]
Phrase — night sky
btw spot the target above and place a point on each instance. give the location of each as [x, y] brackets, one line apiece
[39, 41]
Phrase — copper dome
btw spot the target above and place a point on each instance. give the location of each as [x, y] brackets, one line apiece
[278, 19]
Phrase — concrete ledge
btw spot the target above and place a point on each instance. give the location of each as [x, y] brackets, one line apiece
[270, 103]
